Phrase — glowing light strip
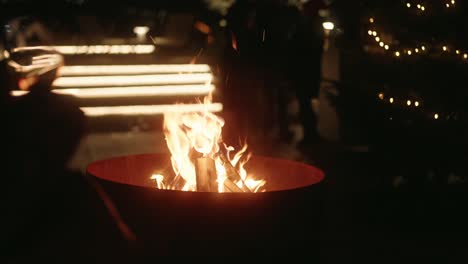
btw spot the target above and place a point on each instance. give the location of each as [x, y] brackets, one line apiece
[149, 109]
[105, 49]
[132, 69]
[133, 91]
[139, 80]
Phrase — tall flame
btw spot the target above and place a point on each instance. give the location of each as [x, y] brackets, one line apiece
[199, 133]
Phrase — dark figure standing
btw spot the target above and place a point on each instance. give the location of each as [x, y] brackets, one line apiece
[304, 68]
[278, 47]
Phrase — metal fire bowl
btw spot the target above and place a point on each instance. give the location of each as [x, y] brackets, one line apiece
[283, 220]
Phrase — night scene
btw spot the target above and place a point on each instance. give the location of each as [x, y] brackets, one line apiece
[329, 131]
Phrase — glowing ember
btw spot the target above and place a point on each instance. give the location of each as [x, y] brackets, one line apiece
[200, 160]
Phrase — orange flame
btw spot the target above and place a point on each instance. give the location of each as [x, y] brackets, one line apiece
[234, 41]
[201, 132]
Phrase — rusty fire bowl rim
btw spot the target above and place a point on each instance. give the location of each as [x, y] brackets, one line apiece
[319, 174]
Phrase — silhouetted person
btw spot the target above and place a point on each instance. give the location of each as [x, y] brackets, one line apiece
[302, 64]
[245, 95]
[48, 211]
[278, 46]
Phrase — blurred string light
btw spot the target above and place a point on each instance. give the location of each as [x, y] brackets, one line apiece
[417, 6]
[392, 100]
[419, 49]
[407, 103]
[421, 7]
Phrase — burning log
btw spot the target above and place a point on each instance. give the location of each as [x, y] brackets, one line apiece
[230, 186]
[206, 175]
[193, 139]
[231, 172]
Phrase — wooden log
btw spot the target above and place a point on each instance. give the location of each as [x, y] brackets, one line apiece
[231, 172]
[230, 186]
[206, 175]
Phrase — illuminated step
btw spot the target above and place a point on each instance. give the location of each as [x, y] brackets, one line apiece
[132, 110]
[132, 69]
[131, 91]
[105, 49]
[137, 80]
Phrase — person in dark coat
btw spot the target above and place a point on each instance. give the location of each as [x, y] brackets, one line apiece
[278, 46]
[49, 212]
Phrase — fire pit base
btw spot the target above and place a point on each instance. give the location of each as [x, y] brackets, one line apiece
[282, 221]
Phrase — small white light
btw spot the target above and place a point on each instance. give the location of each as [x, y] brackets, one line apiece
[444, 48]
[371, 20]
[416, 50]
[453, 2]
[369, 32]
[465, 56]
[408, 5]
[377, 39]
[386, 47]
[381, 44]
[457, 52]
[408, 102]
[422, 8]
[423, 48]
[391, 100]
[416, 103]
[381, 96]
[418, 6]
[436, 116]
[397, 53]
[141, 31]
[409, 52]
[223, 23]
[374, 33]
[327, 25]
[447, 5]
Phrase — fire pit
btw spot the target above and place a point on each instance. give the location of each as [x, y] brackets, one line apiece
[282, 220]
[208, 199]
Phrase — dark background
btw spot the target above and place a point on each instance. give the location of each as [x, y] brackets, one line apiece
[396, 179]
